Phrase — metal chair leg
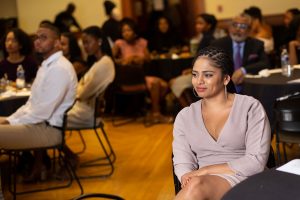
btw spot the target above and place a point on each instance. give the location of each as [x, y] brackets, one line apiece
[83, 143]
[109, 156]
[13, 185]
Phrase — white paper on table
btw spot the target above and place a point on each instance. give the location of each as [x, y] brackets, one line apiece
[264, 73]
[253, 76]
[8, 93]
[273, 71]
[296, 66]
[23, 93]
[292, 166]
[294, 81]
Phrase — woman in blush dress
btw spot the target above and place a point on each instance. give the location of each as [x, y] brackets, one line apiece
[18, 48]
[221, 139]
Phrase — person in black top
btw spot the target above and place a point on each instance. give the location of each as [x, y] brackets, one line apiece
[165, 38]
[112, 26]
[64, 20]
[72, 51]
[17, 50]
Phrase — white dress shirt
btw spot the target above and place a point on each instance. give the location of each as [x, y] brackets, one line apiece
[52, 92]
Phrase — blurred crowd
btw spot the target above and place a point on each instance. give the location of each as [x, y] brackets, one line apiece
[133, 48]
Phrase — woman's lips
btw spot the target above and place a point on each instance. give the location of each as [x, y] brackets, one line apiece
[200, 89]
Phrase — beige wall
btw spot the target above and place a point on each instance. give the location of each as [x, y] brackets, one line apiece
[91, 12]
[31, 12]
[231, 8]
[8, 8]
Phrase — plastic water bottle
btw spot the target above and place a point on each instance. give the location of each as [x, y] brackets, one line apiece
[20, 81]
[285, 63]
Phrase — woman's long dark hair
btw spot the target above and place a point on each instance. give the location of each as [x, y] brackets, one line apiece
[23, 39]
[209, 19]
[221, 60]
[74, 49]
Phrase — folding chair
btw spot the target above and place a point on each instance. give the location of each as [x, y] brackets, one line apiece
[14, 154]
[287, 124]
[105, 146]
[130, 87]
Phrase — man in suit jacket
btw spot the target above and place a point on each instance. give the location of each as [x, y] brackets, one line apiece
[247, 53]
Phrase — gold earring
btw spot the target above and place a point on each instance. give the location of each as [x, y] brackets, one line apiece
[195, 93]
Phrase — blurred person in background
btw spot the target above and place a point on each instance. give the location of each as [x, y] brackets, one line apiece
[18, 49]
[294, 45]
[165, 38]
[247, 53]
[131, 54]
[65, 20]
[284, 34]
[112, 26]
[259, 29]
[72, 52]
[205, 25]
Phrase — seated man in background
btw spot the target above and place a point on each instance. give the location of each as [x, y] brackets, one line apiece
[248, 53]
[38, 123]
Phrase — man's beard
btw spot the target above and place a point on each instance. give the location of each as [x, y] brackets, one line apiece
[238, 38]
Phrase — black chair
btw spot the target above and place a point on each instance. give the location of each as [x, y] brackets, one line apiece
[14, 154]
[130, 92]
[287, 125]
[98, 196]
[105, 146]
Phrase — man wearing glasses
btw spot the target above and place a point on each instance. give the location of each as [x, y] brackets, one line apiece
[247, 53]
[38, 123]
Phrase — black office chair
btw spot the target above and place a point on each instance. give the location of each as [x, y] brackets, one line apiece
[105, 146]
[287, 126]
[14, 154]
[98, 196]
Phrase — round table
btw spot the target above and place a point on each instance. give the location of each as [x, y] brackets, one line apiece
[267, 89]
[9, 105]
[268, 185]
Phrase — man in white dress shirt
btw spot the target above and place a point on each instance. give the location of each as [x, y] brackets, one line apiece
[38, 122]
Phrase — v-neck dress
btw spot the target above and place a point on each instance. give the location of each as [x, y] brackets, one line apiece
[243, 143]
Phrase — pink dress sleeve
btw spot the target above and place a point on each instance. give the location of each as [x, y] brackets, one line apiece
[258, 137]
[185, 160]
